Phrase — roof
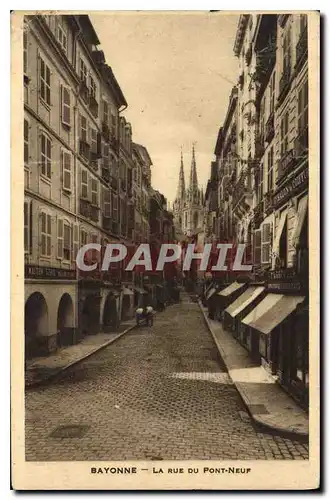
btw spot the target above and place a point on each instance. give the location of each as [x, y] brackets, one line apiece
[112, 81]
[241, 27]
[143, 153]
[89, 32]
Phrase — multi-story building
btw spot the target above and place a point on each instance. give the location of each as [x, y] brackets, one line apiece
[71, 163]
[267, 190]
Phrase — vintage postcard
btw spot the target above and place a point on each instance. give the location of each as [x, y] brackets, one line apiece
[165, 250]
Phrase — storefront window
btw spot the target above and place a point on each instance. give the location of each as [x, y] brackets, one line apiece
[300, 351]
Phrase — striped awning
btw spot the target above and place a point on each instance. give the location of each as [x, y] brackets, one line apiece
[272, 311]
[233, 287]
[244, 300]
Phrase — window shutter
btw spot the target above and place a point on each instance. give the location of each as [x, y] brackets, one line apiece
[75, 246]
[265, 243]
[26, 227]
[60, 238]
[99, 145]
[257, 246]
[66, 110]
[66, 170]
[31, 227]
[49, 235]
[42, 229]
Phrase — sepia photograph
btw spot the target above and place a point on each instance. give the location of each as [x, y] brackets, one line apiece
[166, 330]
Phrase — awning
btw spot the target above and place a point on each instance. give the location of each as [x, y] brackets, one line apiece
[127, 291]
[276, 246]
[301, 216]
[233, 287]
[210, 293]
[244, 300]
[267, 303]
[140, 290]
[271, 311]
[278, 313]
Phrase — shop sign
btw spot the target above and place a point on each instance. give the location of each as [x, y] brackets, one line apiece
[291, 188]
[55, 273]
[285, 286]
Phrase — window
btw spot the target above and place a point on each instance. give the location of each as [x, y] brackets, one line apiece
[93, 136]
[83, 128]
[107, 202]
[83, 72]
[260, 183]
[83, 237]
[106, 163]
[95, 194]
[284, 133]
[257, 246]
[45, 155]
[75, 242]
[105, 113]
[115, 207]
[65, 94]
[84, 184]
[94, 253]
[265, 243]
[26, 141]
[62, 37]
[66, 170]
[25, 49]
[44, 82]
[92, 88]
[270, 173]
[26, 227]
[303, 108]
[46, 235]
[67, 242]
[272, 94]
[60, 239]
[287, 52]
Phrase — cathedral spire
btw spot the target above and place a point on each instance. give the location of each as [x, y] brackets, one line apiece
[181, 191]
[193, 176]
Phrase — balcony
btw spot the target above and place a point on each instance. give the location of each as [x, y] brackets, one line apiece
[105, 131]
[85, 208]
[301, 50]
[93, 106]
[94, 213]
[286, 162]
[114, 183]
[105, 174]
[106, 223]
[84, 149]
[83, 91]
[285, 83]
[269, 128]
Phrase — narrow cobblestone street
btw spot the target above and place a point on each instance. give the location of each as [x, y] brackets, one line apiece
[155, 394]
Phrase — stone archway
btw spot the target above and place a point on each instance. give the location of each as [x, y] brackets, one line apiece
[65, 321]
[90, 315]
[110, 314]
[35, 325]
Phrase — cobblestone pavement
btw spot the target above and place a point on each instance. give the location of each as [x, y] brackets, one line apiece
[159, 393]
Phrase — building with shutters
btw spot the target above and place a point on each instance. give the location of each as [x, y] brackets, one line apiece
[267, 194]
[78, 183]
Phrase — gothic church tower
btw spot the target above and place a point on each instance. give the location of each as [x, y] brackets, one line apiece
[188, 205]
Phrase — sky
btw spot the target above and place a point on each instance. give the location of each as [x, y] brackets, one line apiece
[176, 71]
